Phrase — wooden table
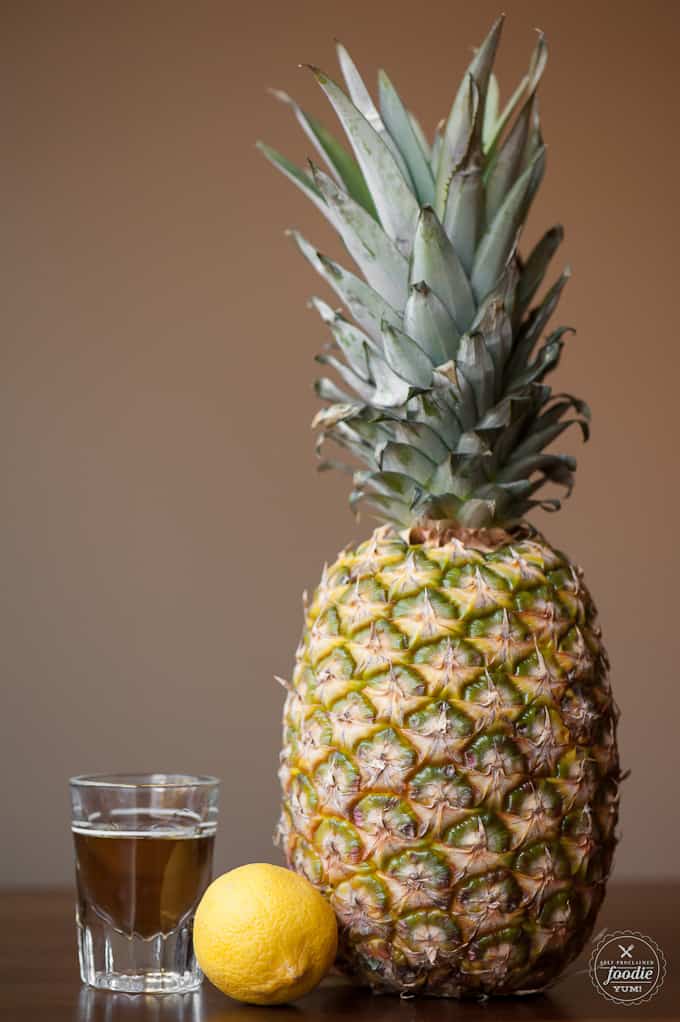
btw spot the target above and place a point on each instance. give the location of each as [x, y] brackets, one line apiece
[39, 979]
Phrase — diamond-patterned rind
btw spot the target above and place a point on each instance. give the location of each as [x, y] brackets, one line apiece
[449, 767]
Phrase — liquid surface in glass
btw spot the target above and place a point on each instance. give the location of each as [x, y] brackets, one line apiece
[142, 882]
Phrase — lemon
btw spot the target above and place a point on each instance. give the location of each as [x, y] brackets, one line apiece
[264, 935]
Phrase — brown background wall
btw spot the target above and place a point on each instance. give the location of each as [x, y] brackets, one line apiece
[160, 511]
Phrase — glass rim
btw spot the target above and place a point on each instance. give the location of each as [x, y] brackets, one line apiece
[131, 781]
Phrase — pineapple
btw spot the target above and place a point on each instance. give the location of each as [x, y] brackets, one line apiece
[449, 767]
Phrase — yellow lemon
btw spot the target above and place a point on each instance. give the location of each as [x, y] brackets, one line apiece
[264, 935]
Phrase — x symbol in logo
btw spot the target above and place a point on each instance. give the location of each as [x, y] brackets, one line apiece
[626, 952]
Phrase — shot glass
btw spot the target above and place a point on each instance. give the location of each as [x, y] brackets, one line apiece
[143, 851]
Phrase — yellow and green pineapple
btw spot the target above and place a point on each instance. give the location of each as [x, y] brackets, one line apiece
[449, 767]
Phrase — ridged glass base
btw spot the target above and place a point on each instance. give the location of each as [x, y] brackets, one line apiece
[110, 960]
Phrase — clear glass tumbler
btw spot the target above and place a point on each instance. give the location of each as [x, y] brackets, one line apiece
[144, 849]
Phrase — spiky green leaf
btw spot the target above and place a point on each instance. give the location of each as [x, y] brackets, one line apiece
[341, 163]
[435, 261]
[403, 458]
[532, 329]
[422, 138]
[500, 238]
[476, 364]
[464, 211]
[428, 321]
[359, 386]
[365, 304]
[462, 119]
[394, 200]
[391, 390]
[491, 108]
[406, 358]
[363, 101]
[400, 126]
[505, 167]
[376, 255]
[352, 342]
[420, 436]
[534, 269]
[456, 139]
[303, 181]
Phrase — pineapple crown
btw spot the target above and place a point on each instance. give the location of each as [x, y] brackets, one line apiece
[441, 393]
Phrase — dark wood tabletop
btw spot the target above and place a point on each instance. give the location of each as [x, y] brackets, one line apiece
[39, 977]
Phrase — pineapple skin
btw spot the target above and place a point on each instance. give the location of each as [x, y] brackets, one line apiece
[449, 766]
